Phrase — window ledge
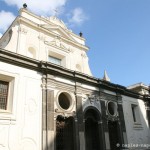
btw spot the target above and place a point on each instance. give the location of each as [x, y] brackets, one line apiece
[137, 126]
[7, 117]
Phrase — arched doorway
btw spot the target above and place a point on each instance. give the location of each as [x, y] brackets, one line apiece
[64, 133]
[114, 135]
[92, 130]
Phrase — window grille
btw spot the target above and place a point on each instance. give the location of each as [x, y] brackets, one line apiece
[3, 94]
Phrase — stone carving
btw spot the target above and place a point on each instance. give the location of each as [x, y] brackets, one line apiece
[70, 50]
[83, 54]
[42, 38]
[57, 42]
[90, 100]
[113, 118]
[57, 21]
[23, 30]
[93, 98]
[65, 114]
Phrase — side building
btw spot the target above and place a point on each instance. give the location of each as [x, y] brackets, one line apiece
[49, 99]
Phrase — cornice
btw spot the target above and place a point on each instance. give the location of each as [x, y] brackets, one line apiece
[48, 22]
[49, 68]
[42, 29]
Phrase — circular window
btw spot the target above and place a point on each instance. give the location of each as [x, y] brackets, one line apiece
[112, 108]
[64, 100]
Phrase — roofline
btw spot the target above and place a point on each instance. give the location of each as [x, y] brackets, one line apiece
[48, 22]
[138, 85]
[29, 22]
[44, 19]
[3, 35]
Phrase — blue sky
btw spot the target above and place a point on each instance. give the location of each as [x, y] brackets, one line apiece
[116, 31]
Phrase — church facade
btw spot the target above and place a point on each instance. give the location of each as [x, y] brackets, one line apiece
[49, 99]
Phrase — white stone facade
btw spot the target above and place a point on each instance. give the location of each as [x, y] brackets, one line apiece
[20, 125]
[39, 37]
[137, 132]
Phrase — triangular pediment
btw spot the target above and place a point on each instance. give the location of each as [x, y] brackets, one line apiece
[61, 32]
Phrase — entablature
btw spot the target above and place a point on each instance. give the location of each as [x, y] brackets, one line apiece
[49, 68]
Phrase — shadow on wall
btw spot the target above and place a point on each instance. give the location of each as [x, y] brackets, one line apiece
[83, 130]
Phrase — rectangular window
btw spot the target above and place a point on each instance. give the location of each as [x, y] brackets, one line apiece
[136, 114]
[54, 60]
[4, 86]
[133, 112]
[6, 93]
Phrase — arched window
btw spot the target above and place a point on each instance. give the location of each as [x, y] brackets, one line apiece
[31, 52]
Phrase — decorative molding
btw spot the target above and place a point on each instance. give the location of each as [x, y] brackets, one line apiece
[57, 42]
[42, 38]
[64, 113]
[112, 118]
[70, 50]
[83, 54]
[93, 98]
[40, 66]
[23, 30]
[109, 97]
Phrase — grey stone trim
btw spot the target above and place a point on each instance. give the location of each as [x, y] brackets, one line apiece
[108, 97]
[50, 110]
[44, 120]
[80, 113]
[104, 116]
[60, 85]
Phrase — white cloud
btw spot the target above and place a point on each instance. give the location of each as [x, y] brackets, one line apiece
[40, 7]
[77, 16]
[6, 19]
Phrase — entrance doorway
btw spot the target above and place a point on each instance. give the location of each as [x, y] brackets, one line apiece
[92, 136]
[64, 133]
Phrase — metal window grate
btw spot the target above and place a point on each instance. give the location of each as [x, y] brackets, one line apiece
[64, 133]
[3, 94]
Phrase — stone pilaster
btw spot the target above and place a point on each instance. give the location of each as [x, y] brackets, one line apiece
[80, 117]
[50, 119]
[104, 126]
[121, 122]
[44, 120]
